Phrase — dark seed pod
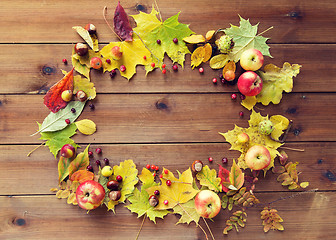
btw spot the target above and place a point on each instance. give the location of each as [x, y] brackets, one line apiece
[153, 201]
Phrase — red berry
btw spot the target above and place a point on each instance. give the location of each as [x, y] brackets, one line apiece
[168, 183]
[241, 114]
[119, 178]
[166, 171]
[154, 174]
[175, 40]
[108, 61]
[233, 96]
[225, 160]
[153, 64]
[156, 192]
[67, 121]
[98, 150]
[92, 106]
[122, 68]
[242, 97]
[106, 161]
[98, 163]
[163, 65]
[165, 202]
[89, 168]
[113, 73]
[65, 61]
[148, 166]
[210, 159]
[214, 80]
[144, 57]
[153, 167]
[164, 71]
[160, 176]
[90, 154]
[175, 67]
[158, 41]
[156, 168]
[201, 70]
[73, 110]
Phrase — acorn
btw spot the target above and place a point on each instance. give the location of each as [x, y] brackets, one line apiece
[153, 201]
[197, 166]
[90, 28]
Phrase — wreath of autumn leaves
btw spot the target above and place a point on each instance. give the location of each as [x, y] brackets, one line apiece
[147, 45]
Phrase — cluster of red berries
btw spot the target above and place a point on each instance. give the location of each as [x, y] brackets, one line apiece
[99, 151]
[224, 160]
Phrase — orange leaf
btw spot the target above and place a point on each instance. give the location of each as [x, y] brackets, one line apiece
[229, 66]
[53, 99]
[82, 176]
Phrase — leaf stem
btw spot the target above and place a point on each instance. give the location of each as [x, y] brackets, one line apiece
[197, 225]
[158, 10]
[293, 149]
[104, 16]
[208, 228]
[28, 155]
[142, 223]
[265, 31]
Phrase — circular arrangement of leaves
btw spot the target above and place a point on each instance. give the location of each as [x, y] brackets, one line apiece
[146, 45]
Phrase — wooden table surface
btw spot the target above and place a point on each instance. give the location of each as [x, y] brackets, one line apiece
[37, 34]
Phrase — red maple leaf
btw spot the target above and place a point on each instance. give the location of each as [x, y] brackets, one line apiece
[224, 175]
[53, 99]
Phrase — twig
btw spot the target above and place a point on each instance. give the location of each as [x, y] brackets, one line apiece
[137, 236]
[293, 149]
[197, 225]
[158, 10]
[28, 155]
[104, 15]
[265, 31]
[208, 228]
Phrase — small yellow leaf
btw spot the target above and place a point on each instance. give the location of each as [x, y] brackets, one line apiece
[53, 189]
[304, 184]
[63, 194]
[209, 34]
[197, 57]
[85, 35]
[86, 126]
[71, 198]
[194, 39]
[219, 61]
[207, 52]
[249, 102]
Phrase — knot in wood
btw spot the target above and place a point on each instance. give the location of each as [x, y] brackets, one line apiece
[19, 221]
[162, 104]
[140, 8]
[47, 70]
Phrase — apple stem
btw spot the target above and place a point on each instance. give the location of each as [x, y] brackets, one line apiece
[265, 31]
[28, 155]
[197, 225]
[208, 228]
[142, 223]
[104, 16]
[293, 149]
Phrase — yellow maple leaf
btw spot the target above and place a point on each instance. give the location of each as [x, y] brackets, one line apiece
[180, 190]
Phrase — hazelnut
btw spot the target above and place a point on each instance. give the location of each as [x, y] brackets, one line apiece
[90, 28]
[81, 49]
[197, 166]
[153, 201]
[81, 95]
[114, 195]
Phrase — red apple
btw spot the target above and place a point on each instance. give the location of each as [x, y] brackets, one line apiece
[207, 204]
[251, 59]
[258, 157]
[68, 151]
[249, 83]
[116, 53]
[90, 194]
[243, 138]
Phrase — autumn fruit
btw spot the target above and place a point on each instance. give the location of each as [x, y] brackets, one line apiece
[96, 63]
[68, 151]
[116, 53]
[153, 201]
[229, 75]
[243, 138]
[224, 44]
[112, 185]
[265, 127]
[81, 49]
[249, 83]
[90, 195]
[258, 157]
[114, 195]
[197, 166]
[251, 59]
[81, 96]
[207, 204]
[107, 171]
[90, 28]
[66, 95]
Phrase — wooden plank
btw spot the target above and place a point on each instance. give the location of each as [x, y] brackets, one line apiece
[41, 167]
[153, 118]
[307, 216]
[37, 67]
[294, 21]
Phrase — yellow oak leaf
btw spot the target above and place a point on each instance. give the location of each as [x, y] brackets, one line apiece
[86, 126]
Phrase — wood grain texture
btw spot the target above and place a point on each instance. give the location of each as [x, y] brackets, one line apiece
[153, 118]
[295, 21]
[306, 216]
[38, 67]
[41, 167]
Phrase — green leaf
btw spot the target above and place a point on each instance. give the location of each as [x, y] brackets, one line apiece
[245, 37]
[150, 29]
[63, 168]
[208, 177]
[187, 212]
[56, 140]
[56, 121]
[80, 162]
[275, 81]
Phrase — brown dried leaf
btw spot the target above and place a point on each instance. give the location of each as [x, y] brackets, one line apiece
[228, 228]
[71, 198]
[284, 177]
[278, 169]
